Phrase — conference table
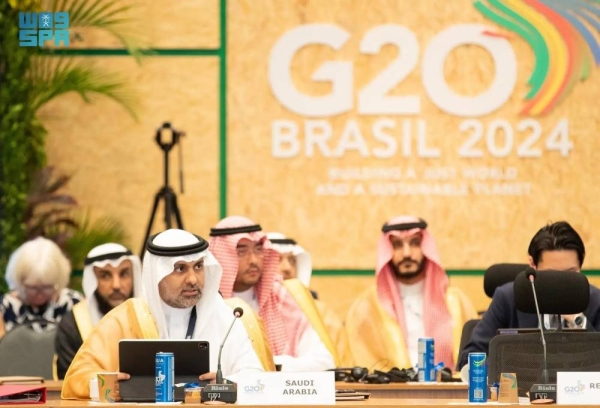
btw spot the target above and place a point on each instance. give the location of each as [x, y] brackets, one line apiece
[371, 403]
[412, 390]
[382, 395]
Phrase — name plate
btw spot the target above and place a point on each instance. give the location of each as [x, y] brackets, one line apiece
[283, 388]
[578, 388]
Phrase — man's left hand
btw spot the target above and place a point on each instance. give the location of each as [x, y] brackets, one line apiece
[209, 377]
[571, 320]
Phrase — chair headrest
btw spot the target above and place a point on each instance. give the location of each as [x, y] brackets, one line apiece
[499, 274]
[558, 292]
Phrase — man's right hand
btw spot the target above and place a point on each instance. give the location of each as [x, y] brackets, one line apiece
[120, 377]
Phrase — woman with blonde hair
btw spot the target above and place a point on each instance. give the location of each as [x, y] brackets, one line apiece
[37, 275]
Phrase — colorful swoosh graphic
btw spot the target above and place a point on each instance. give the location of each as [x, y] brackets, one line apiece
[559, 32]
[512, 377]
[480, 363]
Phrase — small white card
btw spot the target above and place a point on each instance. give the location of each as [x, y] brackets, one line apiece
[286, 388]
[578, 388]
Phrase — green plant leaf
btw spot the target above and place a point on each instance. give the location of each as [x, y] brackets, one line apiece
[48, 210]
[29, 80]
[43, 193]
[111, 16]
[53, 77]
[48, 224]
[63, 199]
[45, 184]
[91, 233]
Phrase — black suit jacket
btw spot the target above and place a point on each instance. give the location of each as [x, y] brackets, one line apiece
[67, 343]
[502, 314]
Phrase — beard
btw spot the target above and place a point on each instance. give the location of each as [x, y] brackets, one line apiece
[103, 305]
[251, 276]
[408, 275]
[185, 301]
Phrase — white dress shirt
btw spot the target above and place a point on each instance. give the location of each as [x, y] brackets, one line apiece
[249, 296]
[551, 322]
[412, 302]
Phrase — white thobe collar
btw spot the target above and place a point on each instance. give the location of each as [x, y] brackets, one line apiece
[249, 296]
[177, 321]
[412, 303]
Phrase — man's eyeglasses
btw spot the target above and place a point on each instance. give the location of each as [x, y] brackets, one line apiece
[45, 289]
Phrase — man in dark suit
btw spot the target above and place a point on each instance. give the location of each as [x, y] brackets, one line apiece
[558, 247]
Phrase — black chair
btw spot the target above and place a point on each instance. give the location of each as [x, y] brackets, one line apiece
[25, 351]
[499, 274]
[523, 354]
[495, 276]
[465, 336]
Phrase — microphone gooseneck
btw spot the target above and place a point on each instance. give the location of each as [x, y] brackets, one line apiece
[237, 313]
[539, 316]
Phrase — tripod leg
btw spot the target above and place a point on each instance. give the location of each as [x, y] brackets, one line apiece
[168, 207]
[177, 213]
[157, 198]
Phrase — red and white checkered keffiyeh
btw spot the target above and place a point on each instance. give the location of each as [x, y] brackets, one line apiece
[274, 300]
[437, 318]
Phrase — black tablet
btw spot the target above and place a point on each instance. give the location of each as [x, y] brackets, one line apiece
[137, 358]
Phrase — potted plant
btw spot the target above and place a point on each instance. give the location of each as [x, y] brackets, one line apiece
[32, 77]
[55, 215]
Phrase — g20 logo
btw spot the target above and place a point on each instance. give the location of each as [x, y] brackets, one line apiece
[577, 389]
[500, 138]
[255, 389]
[372, 98]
